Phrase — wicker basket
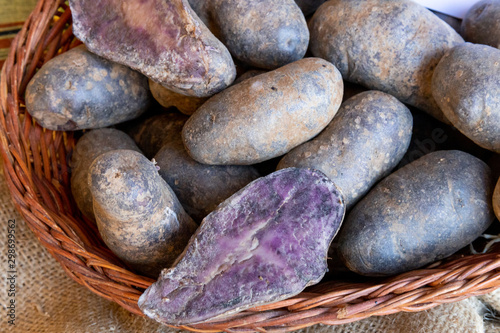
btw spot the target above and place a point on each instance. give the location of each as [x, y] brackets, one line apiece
[36, 168]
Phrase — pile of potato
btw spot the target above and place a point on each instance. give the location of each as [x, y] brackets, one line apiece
[383, 99]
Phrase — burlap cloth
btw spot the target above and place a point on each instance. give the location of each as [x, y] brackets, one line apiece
[47, 301]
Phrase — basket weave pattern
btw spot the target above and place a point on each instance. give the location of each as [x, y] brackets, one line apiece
[35, 164]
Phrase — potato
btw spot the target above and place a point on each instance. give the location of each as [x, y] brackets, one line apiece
[199, 187]
[137, 214]
[481, 24]
[421, 213]
[168, 98]
[164, 40]
[152, 133]
[391, 46]
[88, 148]
[264, 34]
[496, 200]
[363, 143]
[264, 244]
[466, 85]
[79, 90]
[187, 104]
[265, 116]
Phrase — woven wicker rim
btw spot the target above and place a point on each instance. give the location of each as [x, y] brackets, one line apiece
[36, 168]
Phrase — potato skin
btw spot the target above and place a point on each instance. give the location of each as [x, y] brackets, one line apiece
[423, 212]
[80, 90]
[466, 85]
[391, 46]
[289, 106]
[137, 214]
[264, 34]
[164, 40]
[363, 143]
[481, 24]
[168, 98]
[199, 187]
[496, 200]
[88, 148]
[151, 134]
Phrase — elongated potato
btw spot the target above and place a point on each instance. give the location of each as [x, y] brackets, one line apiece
[481, 24]
[88, 148]
[80, 90]
[391, 46]
[423, 212]
[164, 40]
[363, 143]
[288, 106]
[264, 244]
[264, 34]
[466, 85]
[138, 215]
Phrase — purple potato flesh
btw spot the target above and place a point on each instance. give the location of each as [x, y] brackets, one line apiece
[164, 40]
[264, 244]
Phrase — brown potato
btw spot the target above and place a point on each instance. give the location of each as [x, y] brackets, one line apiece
[138, 215]
[265, 116]
[466, 85]
[88, 148]
[391, 46]
[363, 143]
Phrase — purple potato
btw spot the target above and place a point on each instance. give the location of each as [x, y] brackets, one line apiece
[363, 143]
[466, 85]
[137, 214]
[265, 243]
[88, 148]
[481, 24]
[265, 116]
[264, 34]
[80, 90]
[391, 46]
[199, 187]
[424, 212]
[164, 40]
